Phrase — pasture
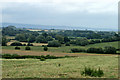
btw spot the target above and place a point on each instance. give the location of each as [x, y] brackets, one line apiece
[69, 67]
[63, 49]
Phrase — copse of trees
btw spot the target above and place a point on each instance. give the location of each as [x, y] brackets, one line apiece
[106, 50]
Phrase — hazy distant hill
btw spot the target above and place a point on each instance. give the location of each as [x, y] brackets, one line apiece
[33, 26]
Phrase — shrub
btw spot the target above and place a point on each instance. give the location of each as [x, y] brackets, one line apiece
[92, 72]
[24, 44]
[67, 44]
[17, 48]
[109, 50]
[77, 50]
[95, 50]
[16, 44]
[29, 44]
[42, 59]
[54, 43]
[27, 48]
[45, 48]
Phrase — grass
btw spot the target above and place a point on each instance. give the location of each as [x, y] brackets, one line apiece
[65, 49]
[59, 68]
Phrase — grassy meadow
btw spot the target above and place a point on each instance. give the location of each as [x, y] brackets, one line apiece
[69, 67]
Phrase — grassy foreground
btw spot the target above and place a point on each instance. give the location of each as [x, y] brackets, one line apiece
[69, 67]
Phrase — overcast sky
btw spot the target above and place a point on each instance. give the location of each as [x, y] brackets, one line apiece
[88, 13]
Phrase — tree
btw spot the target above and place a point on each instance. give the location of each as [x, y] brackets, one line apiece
[41, 39]
[44, 34]
[4, 41]
[49, 38]
[82, 41]
[60, 38]
[31, 38]
[109, 50]
[66, 39]
[54, 43]
[21, 37]
[45, 48]
[16, 44]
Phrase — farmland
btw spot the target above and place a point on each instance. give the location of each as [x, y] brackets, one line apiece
[70, 67]
[63, 49]
[87, 48]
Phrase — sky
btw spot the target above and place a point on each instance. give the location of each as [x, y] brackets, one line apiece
[75, 13]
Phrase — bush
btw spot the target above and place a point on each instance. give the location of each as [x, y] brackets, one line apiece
[67, 44]
[42, 59]
[95, 50]
[27, 48]
[54, 43]
[109, 50]
[29, 44]
[24, 44]
[45, 48]
[92, 72]
[16, 44]
[17, 48]
[77, 50]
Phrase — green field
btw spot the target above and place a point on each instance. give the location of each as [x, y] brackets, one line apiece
[70, 67]
[66, 49]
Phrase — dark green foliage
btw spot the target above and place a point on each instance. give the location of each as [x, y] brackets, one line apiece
[27, 48]
[29, 44]
[22, 37]
[44, 34]
[41, 39]
[92, 72]
[60, 38]
[67, 44]
[49, 38]
[95, 50]
[77, 50]
[17, 48]
[24, 44]
[31, 38]
[54, 44]
[16, 44]
[4, 41]
[45, 48]
[66, 39]
[82, 41]
[15, 56]
[109, 50]
[42, 59]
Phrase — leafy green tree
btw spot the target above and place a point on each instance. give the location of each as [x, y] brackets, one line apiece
[31, 39]
[44, 34]
[60, 38]
[41, 39]
[4, 41]
[21, 37]
[66, 39]
[82, 41]
[54, 43]
[45, 48]
[109, 50]
[49, 38]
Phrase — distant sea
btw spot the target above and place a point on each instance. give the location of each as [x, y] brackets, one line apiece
[34, 26]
